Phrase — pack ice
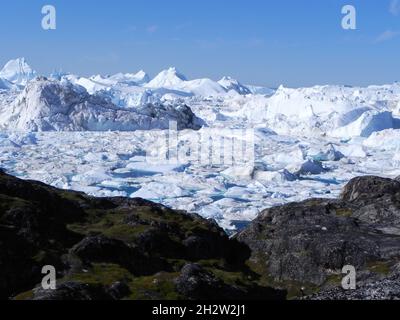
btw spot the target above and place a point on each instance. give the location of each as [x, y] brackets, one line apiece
[96, 134]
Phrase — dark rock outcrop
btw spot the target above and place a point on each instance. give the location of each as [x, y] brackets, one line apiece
[109, 248]
[120, 248]
[304, 246]
[79, 291]
[196, 283]
[102, 249]
[385, 289]
[365, 188]
[72, 291]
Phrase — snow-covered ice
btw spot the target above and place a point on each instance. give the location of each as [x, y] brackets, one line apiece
[109, 164]
[103, 135]
[17, 71]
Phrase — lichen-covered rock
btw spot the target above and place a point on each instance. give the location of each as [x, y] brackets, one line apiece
[369, 187]
[108, 248]
[72, 291]
[386, 289]
[120, 248]
[307, 244]
[197, 284]
[102, 249]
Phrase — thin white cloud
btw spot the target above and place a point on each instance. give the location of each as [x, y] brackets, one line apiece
[256, 42]
[182, 26]
[152, 29]
[394, 7]
[387, 35]
[131, 28]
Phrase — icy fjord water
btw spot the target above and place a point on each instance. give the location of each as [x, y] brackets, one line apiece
[115, 164]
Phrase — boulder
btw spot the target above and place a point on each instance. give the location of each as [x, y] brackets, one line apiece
[308, 243]
[366, 188]
[111, 248]
[72, 291]
[195, 283]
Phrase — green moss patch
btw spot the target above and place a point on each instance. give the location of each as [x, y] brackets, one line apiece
[158, 287]
[379, 267]
[101, 274]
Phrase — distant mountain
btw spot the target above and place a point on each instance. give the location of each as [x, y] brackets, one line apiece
[18, 71]
[203, 87]
[139, 78]
[122, 102]
[261, 90]
[232, 84]
[173, 79]
[170, 81]
[170, 78]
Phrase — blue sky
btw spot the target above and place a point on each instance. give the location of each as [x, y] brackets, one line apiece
[265, 42]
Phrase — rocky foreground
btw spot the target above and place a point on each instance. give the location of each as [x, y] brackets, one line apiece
[305, 245]
[119, 248]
